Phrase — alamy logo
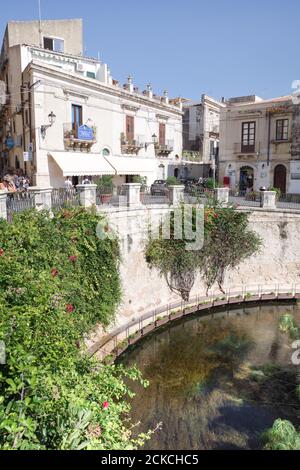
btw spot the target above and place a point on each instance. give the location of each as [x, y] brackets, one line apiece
[296, 354]
[183, 223]
[2, 353]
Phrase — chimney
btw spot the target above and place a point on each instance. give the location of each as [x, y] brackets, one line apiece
[149, 91]
[166, 97]
[130, 83]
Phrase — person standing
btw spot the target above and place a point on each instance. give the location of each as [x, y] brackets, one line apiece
[68, 183]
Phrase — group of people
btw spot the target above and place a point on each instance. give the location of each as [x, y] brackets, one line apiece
[14, 181]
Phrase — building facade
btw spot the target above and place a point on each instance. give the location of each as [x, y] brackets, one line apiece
[65, 116]
[259, 144]
[201, 128]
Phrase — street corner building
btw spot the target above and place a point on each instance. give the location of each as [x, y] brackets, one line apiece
[63, 115]
[260, 144]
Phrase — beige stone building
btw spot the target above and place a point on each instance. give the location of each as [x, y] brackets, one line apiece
[65, 116]
[201, 129]
[259, 144]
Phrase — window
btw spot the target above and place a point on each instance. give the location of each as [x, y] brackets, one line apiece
[130, 128]
[76, 116]
[282, 129]
[91, 74]
[54, 44]
[248, 137]
[105, 152]
[162, 134]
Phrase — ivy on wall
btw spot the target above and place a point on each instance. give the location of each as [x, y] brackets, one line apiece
[228, 241]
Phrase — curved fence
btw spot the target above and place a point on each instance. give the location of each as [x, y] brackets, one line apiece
[116, 342]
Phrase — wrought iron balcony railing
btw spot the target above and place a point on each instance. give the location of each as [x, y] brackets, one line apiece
[79, 137]
[132, 146]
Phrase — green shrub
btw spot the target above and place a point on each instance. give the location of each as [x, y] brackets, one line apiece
[282, 436]
[173, 181]
[57, 281]
[105, 184]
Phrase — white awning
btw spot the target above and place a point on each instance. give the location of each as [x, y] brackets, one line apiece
[81, 164]
[131, 165]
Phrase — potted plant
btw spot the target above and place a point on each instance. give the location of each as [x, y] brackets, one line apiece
[105, 188]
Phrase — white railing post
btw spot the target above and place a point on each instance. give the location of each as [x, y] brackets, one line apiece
[268, 199]
[3, 207]
[176, 194]
[222, 196]
[133, 194]
[87, 194]
[43, 197]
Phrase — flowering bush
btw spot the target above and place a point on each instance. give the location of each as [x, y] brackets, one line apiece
[52, 396]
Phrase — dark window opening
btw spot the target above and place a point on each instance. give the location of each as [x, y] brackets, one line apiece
[282, 129]
[130, 129]
[162, 134]
[53, 44]
[76, 117]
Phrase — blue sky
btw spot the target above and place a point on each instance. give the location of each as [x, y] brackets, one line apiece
[220, 47]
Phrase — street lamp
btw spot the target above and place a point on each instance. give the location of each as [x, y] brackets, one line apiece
[52, 118]
[154, 141]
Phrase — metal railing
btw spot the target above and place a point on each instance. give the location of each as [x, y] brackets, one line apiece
[289, 201]
[119, 339]
[19, 202]
[111, 196]
[194, 195]
[154, 195]
[244, 198]
[62, 198]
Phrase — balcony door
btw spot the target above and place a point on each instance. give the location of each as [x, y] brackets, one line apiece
[76, 117]
[248, 137]
[162, 134]
[130, 129]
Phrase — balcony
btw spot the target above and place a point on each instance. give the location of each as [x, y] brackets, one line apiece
[132, 146]
[80, 138]
[191, 156]
[164, 150]
[239, 148]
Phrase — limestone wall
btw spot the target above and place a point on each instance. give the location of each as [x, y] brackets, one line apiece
[144, 290]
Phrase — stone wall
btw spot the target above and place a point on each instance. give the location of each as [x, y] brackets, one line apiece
[277, 263]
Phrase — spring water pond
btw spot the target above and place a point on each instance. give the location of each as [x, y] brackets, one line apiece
[216, 382]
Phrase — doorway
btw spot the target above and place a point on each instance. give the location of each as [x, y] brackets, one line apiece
[280, 178]
[246, 179]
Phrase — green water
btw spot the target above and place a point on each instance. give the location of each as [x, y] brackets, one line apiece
[216, 382]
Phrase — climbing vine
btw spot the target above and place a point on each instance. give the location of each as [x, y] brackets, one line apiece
[228, 241]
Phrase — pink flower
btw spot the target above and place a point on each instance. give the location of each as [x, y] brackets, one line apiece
[69, 308]
[1, 252]
[54, 272]
[73, 259]
[105, 405]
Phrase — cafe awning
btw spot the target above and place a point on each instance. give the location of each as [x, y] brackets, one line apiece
[81, 164]
[131, 165]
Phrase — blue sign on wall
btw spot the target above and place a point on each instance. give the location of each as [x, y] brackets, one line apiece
[85, 133]
[10, 143]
